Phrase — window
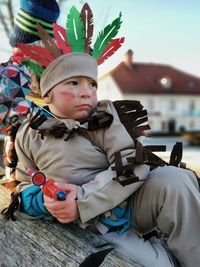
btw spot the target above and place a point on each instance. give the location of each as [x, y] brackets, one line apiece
[172, 105]
[165, 82]
[191, 124]
[150, 105]
[191, 84]
[163, 125]
[192, 106]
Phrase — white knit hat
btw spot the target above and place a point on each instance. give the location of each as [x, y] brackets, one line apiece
[68, 66]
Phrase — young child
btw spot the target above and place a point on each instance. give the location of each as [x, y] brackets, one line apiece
[87, 148]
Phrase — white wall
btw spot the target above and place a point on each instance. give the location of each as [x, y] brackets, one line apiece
[108, 89]
[163, 108]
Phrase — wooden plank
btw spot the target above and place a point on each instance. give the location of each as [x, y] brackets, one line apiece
[37, 243]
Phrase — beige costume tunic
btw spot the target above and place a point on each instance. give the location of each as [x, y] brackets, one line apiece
[83, 161]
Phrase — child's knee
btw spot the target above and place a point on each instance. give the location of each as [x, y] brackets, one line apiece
[170, 177]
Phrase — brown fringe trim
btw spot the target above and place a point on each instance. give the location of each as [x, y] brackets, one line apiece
[126, 171]
[176, 154]
[12, 155]
[57, 131]
[125, 174]
[8, 212]
[96, 121]
[37, 120]
[99, 120]
[11, 185]
[132, 115]
[145, 155]
[14, 204]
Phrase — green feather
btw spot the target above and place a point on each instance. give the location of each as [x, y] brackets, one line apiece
[106, 36]
[75, 30]
[37, 69]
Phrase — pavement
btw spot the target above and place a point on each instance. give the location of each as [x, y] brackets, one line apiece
[190, 157]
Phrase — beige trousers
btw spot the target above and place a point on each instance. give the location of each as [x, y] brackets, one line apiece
[150, 253]
[170, 199]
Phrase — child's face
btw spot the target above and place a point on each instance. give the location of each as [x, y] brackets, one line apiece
[74, 98]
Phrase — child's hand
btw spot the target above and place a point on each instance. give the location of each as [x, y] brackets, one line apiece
[64, 211]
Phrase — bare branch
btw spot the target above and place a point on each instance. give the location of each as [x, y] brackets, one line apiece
[10, 13]
[6, 16]
[6, 29]
[60, 2]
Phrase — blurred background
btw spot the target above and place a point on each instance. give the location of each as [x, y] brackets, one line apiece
[159, 63]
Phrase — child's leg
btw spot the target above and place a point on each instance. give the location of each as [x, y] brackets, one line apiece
[170, 198]
[148, 253]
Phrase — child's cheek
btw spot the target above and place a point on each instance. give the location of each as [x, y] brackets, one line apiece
[94, 93]
[67, 96]
[94, 96]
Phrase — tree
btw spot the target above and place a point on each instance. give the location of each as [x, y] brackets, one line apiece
[7, 17]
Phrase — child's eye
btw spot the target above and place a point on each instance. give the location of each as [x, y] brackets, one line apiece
[73, 83]
[93, 84]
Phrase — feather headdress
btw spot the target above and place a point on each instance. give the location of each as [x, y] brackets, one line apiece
[77, 37]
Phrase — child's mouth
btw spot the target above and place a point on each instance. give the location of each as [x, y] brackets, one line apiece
[83, 106]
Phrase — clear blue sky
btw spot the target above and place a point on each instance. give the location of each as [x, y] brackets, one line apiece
[158, 31]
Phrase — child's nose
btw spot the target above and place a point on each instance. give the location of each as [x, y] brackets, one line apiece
[86, 91]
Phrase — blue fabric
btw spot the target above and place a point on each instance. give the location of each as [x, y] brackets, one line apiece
[122, 219]
[46, 10]
[32, 202]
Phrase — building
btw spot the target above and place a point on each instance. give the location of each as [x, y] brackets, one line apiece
[172, 97]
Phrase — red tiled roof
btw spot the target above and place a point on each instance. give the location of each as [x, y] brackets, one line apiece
[144, 79]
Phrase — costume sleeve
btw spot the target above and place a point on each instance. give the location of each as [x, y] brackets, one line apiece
[25, 159]
[105, 192]
[31, 196]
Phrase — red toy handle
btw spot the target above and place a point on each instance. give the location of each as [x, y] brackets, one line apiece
[52, 191]
[48, 187]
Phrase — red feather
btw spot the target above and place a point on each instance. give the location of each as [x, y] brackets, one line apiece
[18, 57]
[37, 53]
[87, 17]
[61, 38]
[113, 46]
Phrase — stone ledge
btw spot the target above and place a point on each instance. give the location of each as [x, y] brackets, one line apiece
[39, 243]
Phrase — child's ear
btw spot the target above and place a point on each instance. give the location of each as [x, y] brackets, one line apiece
[47, 99]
